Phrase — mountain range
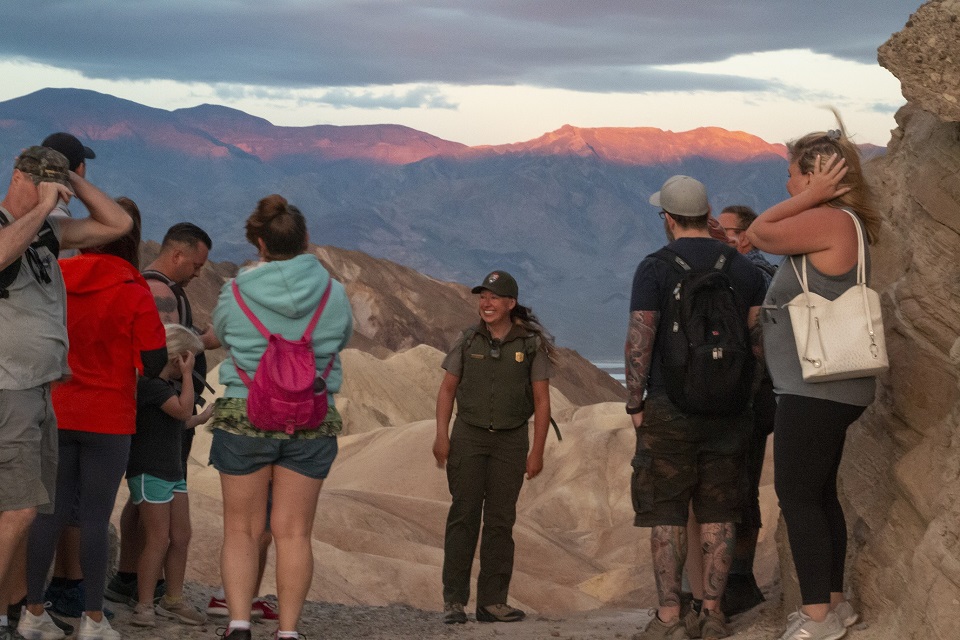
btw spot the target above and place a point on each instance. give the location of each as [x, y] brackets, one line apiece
[566, 213]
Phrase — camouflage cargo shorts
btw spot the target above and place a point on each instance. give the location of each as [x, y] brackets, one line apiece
[682, 459]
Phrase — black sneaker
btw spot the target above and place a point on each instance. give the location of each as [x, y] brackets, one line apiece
[741, 594]
[122, 591]
[13, 611]
[235, 634]
[68, 602]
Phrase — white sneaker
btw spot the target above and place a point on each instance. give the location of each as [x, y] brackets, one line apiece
[91, 630]
[800, 626]
[847, 614]
[39, 627]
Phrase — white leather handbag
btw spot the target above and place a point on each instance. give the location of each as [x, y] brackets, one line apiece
[843, 338]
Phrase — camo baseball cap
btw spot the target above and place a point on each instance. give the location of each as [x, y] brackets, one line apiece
[500, 283]
[44, 165]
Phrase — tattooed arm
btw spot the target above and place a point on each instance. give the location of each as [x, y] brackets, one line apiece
[638, 352]
[166, 302]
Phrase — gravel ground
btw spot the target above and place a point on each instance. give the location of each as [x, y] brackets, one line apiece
[323, 621]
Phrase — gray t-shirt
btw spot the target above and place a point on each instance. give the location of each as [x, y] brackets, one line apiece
[33, 338]
[780, 347]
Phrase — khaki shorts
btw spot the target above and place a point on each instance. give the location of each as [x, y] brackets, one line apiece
[28, 449]
[683, 459]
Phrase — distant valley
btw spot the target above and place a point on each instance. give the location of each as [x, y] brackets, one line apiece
[566, 213]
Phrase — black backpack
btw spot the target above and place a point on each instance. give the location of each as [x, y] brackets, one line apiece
[706, 359]
[45, 238]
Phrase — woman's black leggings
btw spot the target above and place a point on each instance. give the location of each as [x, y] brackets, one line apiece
[807, 446]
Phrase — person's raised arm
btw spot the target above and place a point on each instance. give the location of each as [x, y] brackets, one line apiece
[17, 236]
[638, 354]
[181, 407]
[445, 398]
[795, 225]
[107, 222]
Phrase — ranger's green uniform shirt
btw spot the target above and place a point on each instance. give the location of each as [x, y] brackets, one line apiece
[496, 376]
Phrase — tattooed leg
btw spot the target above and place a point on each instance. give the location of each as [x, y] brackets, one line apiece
[718, 539]
[668, 546]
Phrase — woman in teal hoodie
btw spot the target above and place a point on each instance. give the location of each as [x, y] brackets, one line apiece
[284, 292]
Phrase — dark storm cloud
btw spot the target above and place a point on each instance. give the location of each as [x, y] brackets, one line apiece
[600, 45]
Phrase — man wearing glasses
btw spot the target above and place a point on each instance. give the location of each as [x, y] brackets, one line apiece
[33, 339]
[736, 219]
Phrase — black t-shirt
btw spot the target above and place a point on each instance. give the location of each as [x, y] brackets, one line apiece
[155, 447]
[654, 280]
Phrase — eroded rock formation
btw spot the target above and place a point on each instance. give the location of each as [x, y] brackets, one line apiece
[901, 475]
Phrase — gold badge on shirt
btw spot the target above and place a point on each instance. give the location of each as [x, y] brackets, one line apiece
[518, 356]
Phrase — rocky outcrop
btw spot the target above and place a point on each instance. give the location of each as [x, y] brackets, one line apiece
[901, 473]
[925, 57]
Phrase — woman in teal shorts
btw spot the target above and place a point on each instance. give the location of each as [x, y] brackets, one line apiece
[283, 291]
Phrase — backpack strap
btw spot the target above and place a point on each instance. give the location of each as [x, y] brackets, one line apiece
[45, 238]
[266, 333]
[673, 259]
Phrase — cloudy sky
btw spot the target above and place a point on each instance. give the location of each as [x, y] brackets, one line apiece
[475, 71]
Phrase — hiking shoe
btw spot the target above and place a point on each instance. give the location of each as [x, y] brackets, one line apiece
[119, 590]
[39, 627]
[499, 613]
[263, 610]
[660, 630]
[181, 610]
[741, 594]
[690, 618]
[91, 630]
[713, 625]
[845, 611]
[453, 613]
[800, 626]
[144, 615]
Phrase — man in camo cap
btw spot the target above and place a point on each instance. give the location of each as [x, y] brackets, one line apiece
[33, 342]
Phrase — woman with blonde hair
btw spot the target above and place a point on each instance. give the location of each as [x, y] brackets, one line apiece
[287, 292]
[826, 185]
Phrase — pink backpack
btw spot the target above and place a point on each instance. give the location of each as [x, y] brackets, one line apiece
[285, 393]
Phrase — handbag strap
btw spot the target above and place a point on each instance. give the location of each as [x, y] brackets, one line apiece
[861, 259]
[861, 276]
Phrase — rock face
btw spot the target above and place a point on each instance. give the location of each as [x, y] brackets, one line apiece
[901, 473]
[924, 56]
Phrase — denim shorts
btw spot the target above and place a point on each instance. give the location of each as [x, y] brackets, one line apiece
[153, 489]
[237, 455]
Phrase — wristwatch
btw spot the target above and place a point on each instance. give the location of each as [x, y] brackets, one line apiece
[637, 409]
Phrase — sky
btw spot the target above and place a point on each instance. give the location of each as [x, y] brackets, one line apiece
[475, 71]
